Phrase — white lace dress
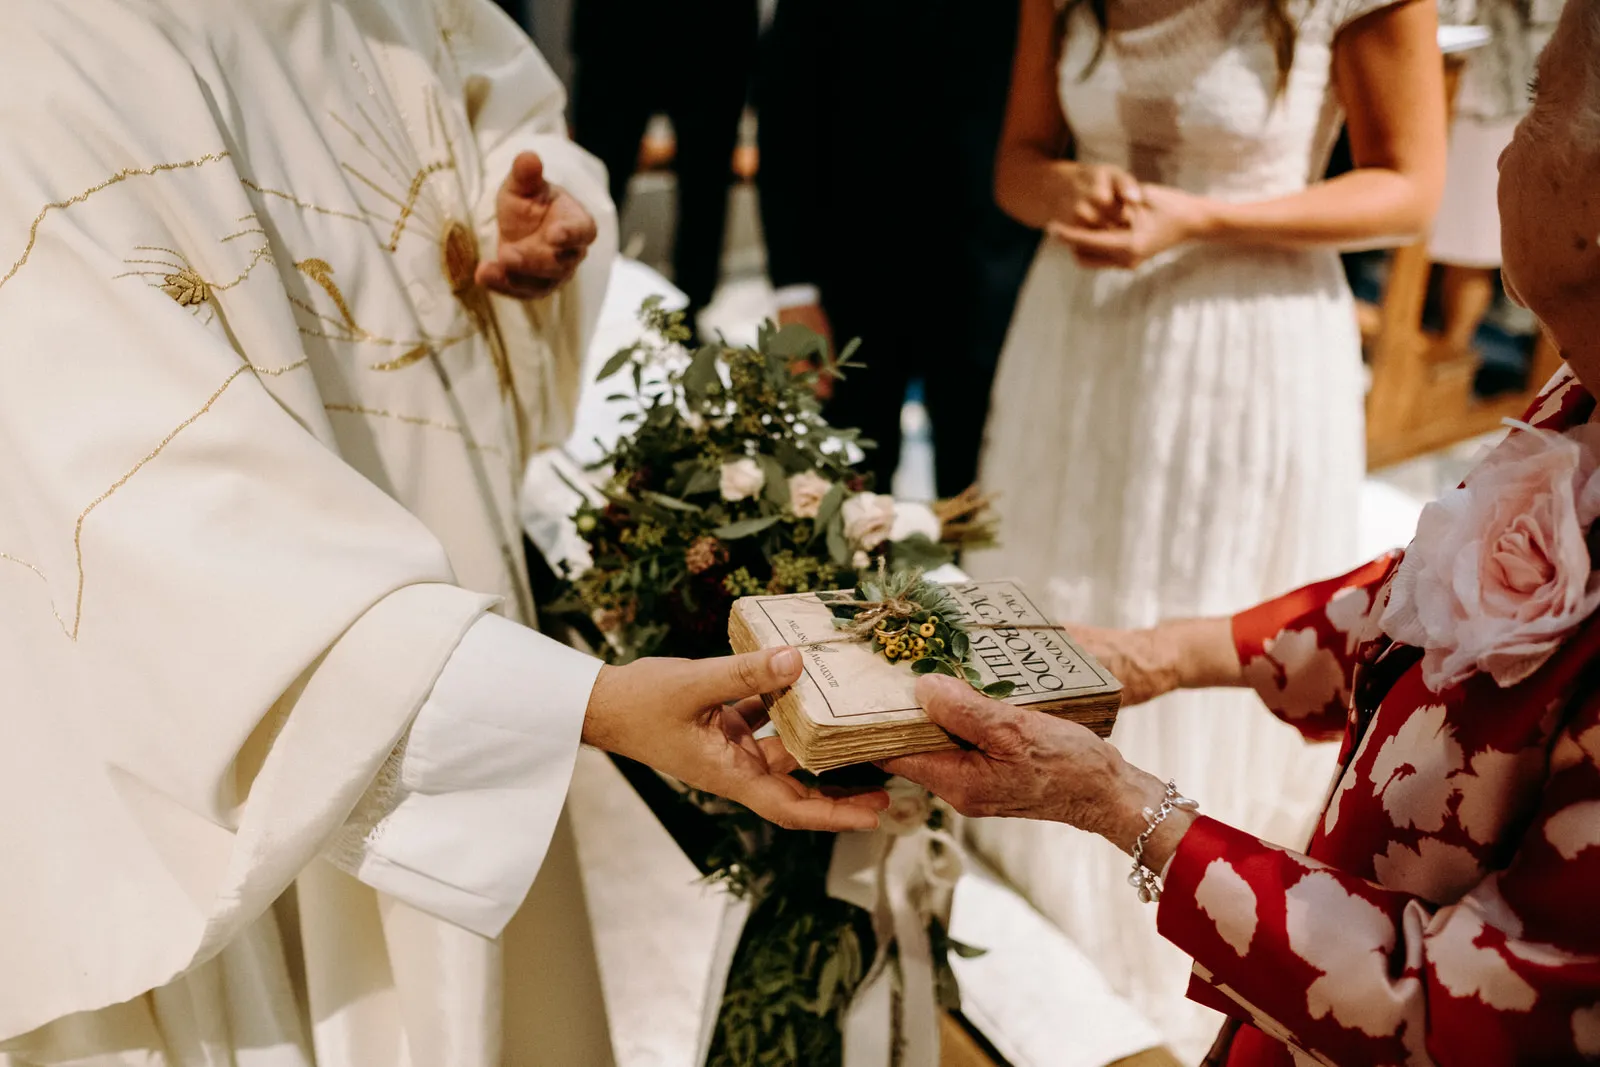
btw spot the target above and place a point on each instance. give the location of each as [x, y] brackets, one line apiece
[1182, 439]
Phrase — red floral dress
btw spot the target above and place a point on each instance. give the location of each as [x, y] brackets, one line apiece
[1447, 909]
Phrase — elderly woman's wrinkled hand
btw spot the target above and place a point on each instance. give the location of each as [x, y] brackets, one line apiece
[1023, 764]
[1180, 654]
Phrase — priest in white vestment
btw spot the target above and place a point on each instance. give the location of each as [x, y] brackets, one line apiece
[289, 291]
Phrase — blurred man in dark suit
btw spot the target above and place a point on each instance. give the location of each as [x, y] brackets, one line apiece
[879, 125]
[692, 60]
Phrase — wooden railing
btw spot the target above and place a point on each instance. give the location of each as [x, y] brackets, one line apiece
[1422, 396]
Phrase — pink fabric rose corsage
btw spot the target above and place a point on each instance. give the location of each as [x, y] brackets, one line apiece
[1500, 571]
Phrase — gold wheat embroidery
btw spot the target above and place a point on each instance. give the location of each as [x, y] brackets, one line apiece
[179, 279]
[347, 329]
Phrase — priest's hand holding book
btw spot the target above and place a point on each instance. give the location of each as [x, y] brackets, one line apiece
[696, 720]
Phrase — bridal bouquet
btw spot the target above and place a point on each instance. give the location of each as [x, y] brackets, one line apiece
[731, 483]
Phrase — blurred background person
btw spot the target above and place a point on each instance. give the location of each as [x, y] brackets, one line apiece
[1177, 427]
[691, 62]
[879, 121]
[1494, 94]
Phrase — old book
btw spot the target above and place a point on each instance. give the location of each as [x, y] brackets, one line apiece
[852, 705]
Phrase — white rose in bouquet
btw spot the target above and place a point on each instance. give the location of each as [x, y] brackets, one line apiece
[912, 519]
[868, 520]
[806, 492]
[742, 479]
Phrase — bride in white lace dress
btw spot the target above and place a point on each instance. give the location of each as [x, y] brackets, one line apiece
[1177, 426]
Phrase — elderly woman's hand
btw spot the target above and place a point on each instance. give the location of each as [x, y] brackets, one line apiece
[1183, 654]
[1025, 764]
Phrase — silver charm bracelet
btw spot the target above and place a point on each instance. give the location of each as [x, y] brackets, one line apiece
[1143, 878]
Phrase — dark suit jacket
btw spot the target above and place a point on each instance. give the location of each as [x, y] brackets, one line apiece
[879, 123]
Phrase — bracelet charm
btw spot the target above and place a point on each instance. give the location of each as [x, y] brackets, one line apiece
[1143, 878]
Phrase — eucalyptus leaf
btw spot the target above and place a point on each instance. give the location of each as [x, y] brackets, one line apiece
[944, 667]
[999, 690]
[972, 675]
[669, 502]
[701, 374]
[960, 645]
[965, 951]
[925, 666]
[827, 511]
[838, 546]
[735, 531]
[703, 480]
[776, 488]
[921, 552]
[947, 990]
[828, 984]
[795, 341]
[790, 456]
[617, 362]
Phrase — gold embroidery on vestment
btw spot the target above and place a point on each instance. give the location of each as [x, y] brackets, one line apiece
[349, 330]
[416, 420]
[115, 179]
[304, 205]
[72, 629]
[244, 233]
[320, 272]
[410, 205]
[181, 281]
[416, 355]
[273, 372]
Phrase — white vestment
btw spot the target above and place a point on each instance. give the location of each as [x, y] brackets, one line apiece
[261, 443]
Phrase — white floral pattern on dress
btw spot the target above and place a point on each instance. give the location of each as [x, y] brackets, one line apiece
[1413, 770]
[1312, 677]
[1231, 903]
[1468, 969]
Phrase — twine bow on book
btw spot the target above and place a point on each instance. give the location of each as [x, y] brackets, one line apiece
[870, 614]
[909, 618]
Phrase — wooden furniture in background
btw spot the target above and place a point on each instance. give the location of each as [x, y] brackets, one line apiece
[1422, 398]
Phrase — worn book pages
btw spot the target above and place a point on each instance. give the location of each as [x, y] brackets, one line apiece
[851, 705]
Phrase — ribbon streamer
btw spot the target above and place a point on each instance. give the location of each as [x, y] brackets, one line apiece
[905, 879]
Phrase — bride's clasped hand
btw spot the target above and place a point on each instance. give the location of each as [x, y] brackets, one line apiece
[1157, 218]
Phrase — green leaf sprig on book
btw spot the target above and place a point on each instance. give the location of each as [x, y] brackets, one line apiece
[910, 619]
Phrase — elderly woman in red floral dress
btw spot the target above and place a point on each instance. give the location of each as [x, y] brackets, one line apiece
[1447, 909]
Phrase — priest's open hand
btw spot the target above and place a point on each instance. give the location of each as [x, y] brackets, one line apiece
[696, 720]
[544, 234]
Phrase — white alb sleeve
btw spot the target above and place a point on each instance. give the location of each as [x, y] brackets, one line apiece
[458, 822]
